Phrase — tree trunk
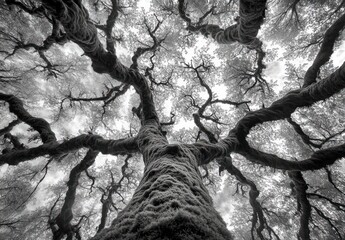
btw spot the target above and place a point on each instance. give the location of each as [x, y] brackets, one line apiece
[171, 202]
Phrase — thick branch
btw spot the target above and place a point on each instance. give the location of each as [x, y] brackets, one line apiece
[110, 25]
[9, 127]
[326, 50]
[63, 220]
[39, 124]
[286, 105]
[96, 143]
[75, 19]
[302, 199]
[280, 109]
[251, 16]
[15, 142]
[317, 160]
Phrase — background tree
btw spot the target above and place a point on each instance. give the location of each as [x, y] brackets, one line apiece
[120, 119]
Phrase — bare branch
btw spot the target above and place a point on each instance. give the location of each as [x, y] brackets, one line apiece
[153, 48]
[80, 30]
[304, 207]
[325, 51]
[10, 126]
[114, 187]
[63, 220]
[258, 213]
[39, 124]
[97, 143]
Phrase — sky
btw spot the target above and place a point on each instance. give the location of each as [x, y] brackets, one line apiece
[274, 72]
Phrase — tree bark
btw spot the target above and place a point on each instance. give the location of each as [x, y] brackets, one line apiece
[171, 202]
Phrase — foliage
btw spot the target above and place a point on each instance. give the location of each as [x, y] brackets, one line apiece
[78, 89]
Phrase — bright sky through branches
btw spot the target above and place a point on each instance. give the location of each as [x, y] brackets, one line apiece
[238, 100]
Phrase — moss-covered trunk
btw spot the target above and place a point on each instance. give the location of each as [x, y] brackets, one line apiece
[170, 203]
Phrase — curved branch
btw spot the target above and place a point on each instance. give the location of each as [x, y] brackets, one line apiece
[202, 128]
[286, 105]
[303, 203]
[155, 45]
[317, 160]
[39, 124]
[326, 50]
[75, 19]
[10, 126]
[97, 143]
[110, 25]
[251, 16]
[63, 220]
[258, 214]
[113, 188]
[305, 138]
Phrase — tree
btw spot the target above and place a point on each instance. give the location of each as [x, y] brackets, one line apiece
[74, 94]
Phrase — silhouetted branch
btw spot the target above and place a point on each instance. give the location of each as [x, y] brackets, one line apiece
[325, 51]
[286, 105]
[303, 204]
[330, 179]
[110, 25]
[57, 36]
[75, 19]
[193, 27]
[93, 179]
[148, 73]
[10, 126]
[63, 220]
[305, 138]
[250, 78]
[317, 160]
[17, 145]
[171, 121]
[229, 102]
[108, 97]
[45, 168]
[9, 224]
[290, 12]
[258, 214]
[329, 220]
[40, 125]
[212, 138]
[97, 143]
[114, 187]
[154, 47]
[251, 16]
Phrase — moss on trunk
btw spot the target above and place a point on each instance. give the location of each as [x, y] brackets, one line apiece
[170, 203]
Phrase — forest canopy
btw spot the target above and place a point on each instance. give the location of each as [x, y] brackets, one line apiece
[173, 119]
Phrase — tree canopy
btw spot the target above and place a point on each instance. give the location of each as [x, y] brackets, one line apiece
[247, 92]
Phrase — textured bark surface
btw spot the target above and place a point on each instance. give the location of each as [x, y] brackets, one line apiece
[170, 203]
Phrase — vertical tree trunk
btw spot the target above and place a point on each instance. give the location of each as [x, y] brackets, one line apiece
[170, 203]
